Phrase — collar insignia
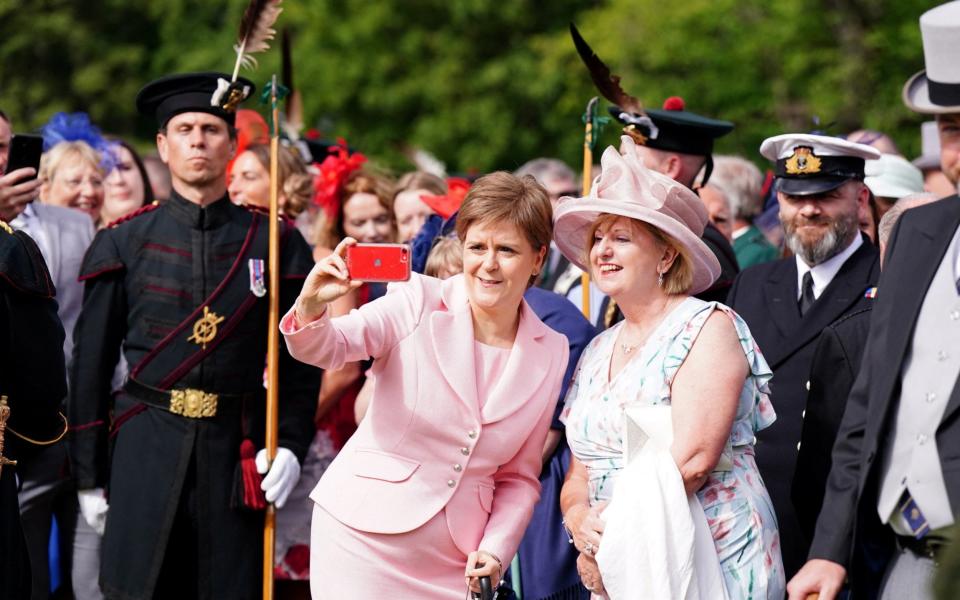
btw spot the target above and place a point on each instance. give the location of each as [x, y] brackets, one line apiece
[803, 162]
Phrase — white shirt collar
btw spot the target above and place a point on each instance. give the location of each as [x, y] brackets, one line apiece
[739, 232]
[824, 273]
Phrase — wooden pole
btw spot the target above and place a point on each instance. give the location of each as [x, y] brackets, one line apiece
[586, 182]
[273, 341]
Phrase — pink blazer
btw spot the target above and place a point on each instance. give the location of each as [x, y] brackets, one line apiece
[425, 444]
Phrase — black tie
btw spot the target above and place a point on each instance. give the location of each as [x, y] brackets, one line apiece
[806, 297]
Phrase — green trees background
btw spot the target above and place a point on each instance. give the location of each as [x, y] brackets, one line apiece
[482, 84]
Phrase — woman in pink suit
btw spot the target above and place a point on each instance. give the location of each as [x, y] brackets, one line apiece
[437, 485]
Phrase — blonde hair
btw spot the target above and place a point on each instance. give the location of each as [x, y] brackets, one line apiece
[446, 255]
[420, 180]
[329, 232]
[678, 278]
[77, 150]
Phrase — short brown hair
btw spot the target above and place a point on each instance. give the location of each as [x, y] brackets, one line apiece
[679, 278]
[502, 197]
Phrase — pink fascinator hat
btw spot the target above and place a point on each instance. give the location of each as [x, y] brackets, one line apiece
[628, 189]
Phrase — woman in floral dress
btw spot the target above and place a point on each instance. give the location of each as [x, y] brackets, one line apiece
[639, 234]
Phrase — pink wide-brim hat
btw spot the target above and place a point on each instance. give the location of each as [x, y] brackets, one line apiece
[628, 189]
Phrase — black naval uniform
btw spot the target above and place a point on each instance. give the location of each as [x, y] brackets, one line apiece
[33, 378]
[160, 284]
[765, 296]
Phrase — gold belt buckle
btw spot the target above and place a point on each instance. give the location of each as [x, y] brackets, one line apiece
[4, 415]
[195, 404]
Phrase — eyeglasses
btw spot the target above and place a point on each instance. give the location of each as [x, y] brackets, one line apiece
[75, 183]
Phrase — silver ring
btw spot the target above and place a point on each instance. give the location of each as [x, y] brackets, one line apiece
[588, 548]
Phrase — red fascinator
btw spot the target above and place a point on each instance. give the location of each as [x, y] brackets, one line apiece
[334, 170]
[447, 205]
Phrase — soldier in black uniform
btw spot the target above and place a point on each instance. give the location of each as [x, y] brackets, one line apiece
[32, 385]
[181, 288]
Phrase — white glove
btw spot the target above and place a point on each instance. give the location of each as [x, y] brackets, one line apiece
[93, 508]
[282, 476]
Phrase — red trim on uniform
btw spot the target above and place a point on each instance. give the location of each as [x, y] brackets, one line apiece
[25, 290]
[136, 213]
[222, 334]
[168, 249]
[89, 425]
[126, 416]
[188, 322]
[164, 290]
[294, 276]
[87, 276]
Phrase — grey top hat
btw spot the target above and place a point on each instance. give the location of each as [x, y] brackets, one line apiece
[936, 90]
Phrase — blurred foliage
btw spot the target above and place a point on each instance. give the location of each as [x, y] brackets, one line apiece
[482, 84]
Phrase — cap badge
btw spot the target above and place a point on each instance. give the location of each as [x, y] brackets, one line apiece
[639, 127]
[803, 162]
[229, 95]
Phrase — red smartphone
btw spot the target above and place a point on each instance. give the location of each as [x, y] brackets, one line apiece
[379, 262]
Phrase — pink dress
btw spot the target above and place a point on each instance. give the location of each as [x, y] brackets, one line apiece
[347, 563]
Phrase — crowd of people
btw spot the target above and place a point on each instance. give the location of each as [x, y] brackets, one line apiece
[753, 397]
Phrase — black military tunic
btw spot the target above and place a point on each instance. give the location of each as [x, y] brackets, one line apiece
[33, 378]
[149, 281]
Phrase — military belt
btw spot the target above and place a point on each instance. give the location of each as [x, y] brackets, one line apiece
[186, 402]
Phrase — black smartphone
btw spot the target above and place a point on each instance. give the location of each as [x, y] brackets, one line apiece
[25, 151]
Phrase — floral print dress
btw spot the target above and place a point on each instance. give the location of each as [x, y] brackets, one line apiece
[736, 503]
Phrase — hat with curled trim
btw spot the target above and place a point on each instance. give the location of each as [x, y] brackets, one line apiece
[628, 189]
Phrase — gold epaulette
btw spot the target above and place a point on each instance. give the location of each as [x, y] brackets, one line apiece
[4, 226]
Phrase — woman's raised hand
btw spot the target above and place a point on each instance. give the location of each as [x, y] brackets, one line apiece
[328, 280]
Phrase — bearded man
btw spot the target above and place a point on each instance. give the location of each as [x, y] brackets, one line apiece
[787, 303]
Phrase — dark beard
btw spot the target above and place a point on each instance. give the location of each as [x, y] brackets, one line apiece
[832, 242]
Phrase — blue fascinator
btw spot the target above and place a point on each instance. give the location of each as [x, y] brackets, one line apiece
[76, 127]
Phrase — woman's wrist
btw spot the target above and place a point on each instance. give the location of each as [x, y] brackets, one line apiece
[499, 567]
[572, 518]
[305, 315]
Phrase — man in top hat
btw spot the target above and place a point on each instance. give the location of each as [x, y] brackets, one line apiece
[679, 144]
[788, 302]
[32, 386]
[180, 288]
[934, 181]
[896, 452]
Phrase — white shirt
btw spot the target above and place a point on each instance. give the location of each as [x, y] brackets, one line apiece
[824, 273]
[956, 259]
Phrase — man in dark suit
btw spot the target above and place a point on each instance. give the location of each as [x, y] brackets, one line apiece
[787, 303]
[836, 363]
[896, 456]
